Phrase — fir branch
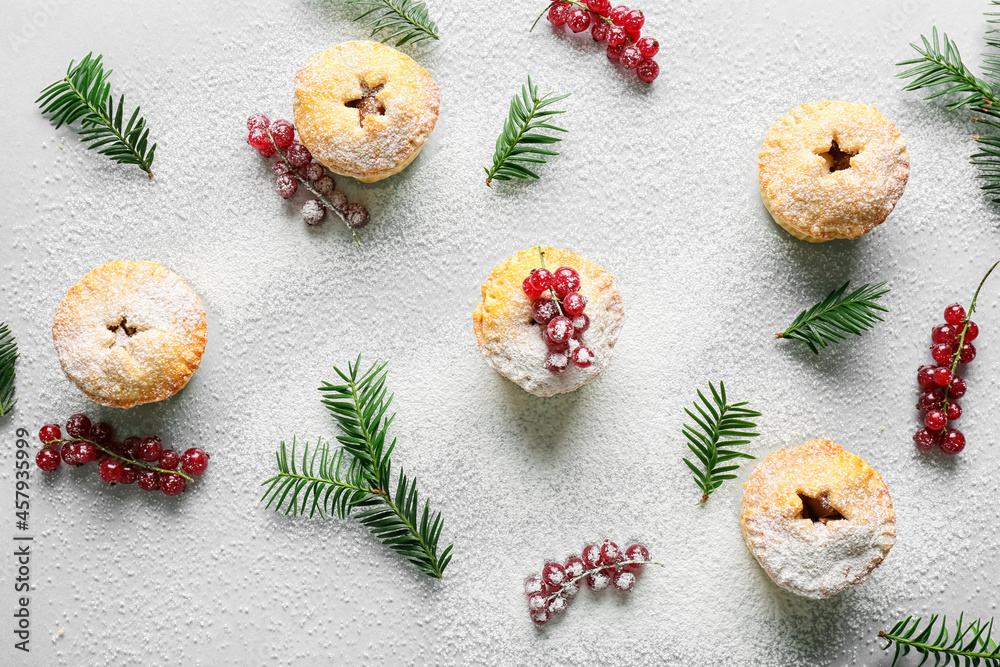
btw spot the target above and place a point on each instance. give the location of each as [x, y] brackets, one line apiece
[407, 20]
[971, 644]
[84, 95]
[723, 426]
[8, 372]
[518, 143]
[359, 474]
[830, 320]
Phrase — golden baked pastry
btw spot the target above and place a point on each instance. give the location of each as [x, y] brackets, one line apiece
[130, 333]
[832, 170]
[817, 519]
[364, 109]
[512, 342]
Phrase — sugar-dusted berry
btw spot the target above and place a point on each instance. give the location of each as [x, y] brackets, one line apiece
[283, 133]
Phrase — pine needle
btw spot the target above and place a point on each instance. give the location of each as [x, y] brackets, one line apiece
[518, 144]
[721, 426]
[8, 360]
[84, 95]
[406, 20]
[971, 644]
[358, 475]
[836, 316]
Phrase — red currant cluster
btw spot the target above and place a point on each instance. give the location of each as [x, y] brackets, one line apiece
[133, 460]
[952, 345]
[295, 165]
[607, 564]
[561, 317]
[620, 27]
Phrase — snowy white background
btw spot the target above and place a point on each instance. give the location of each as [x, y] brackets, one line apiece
[658, 184]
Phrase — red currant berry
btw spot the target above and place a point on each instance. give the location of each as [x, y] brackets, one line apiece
[610, 553]
[194, 461]
[68, 453]
[171, 484]
[600, 31]
[558, 605]
[632, 35]
[623, 580]
[257, 121]
[542, 279]
[544, 310]
[267, 151]
[533, 585]
[648, 71]
[258, 139]
[169, 460]
[283, 133]
[649, 47]
[942, 376]
[954, 314]
[131, 448]
[591, 556]
[49, 433]
[279, 168]
[86, 452]
[631, 57]
[102, 433]
[972, 333]
[574, 567]
[954, 411]
[944, 333]
[580, 324]
[942, 354]
[935, 420]
[634, 20]
[541, 616]
[582, 357]
[578, 20]
[925, 377]
[958, 388]
[600, 7]
[599, 580]
[47, 459]
[556, 362]
[553, 575]
[616, 37]
[562, 348]
[287, 186]
[530, 290]
[130, 473]
[953, 442]
[151, 449]
[559, 14]
[326, 186]
[968, 353]
[313, 213]
[574, 304]
[538, 601]
[78, 426]
[313, 171]
[930, 400]
[639, 553]
[615, 52]
[356, 215]
[565, 280]
[149, 480]
[111, 470]
[560, 329]
[298, 156]
[618, 14]
[926, 440]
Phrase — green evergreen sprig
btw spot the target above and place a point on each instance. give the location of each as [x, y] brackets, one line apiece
[723, 426]
[358, 475]
[939, 66]
[971, 643]
[407, 20]
[518, 144]
[8, 361]
[836, 316]
[84, 95]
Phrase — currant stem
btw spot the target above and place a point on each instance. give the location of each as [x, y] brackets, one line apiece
[961, 341]
[598, 569]
[552, 290]
[305, 182]
[112, 454]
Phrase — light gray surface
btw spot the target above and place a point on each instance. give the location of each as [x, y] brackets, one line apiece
[657, 184]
